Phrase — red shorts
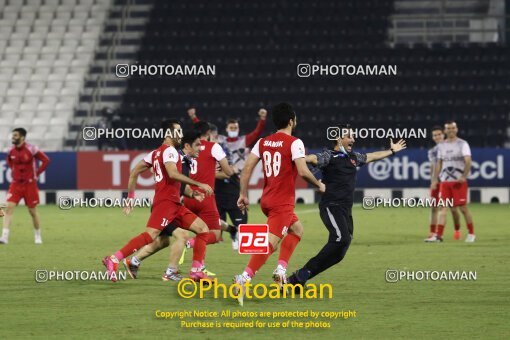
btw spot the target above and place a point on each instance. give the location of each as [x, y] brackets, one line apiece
[434, 193]
[206, 210]
[168, 212]
[280, 219]
[454, 190]
[27, 191]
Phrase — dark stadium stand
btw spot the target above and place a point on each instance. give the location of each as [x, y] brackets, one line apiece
[257, 45]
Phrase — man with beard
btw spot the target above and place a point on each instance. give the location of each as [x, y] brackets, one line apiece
[22, 159]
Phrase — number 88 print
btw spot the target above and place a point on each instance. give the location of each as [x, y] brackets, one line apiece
[272, 163]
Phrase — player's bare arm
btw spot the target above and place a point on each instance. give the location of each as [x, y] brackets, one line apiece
[250, 164]
[133, 178]
[435, 177]
[221, 175]
[307, 175]
[226, 168]
[141, 167]
[467, 168]
[394, 148]
[174, 173]
[195, 194]
[311, 159]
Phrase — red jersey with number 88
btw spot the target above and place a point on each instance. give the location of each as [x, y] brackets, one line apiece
[278, 152]
[167, 189]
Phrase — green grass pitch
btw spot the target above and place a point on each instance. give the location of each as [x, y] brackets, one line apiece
[383, 239]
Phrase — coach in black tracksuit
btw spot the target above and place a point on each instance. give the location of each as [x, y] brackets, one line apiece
[338, 167]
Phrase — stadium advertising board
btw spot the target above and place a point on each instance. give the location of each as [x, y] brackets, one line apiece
[411, 168]
[60, 174]
[79, 170]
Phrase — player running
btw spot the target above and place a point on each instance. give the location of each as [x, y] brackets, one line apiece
[190, 149]
[339, 168]
[438, 137]
[203, 169]
[452, 168]
[283, 158]
[166, 165]
[22, 159]
[237, 149]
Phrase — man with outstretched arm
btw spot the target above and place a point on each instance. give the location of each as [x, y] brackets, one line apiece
[338, 167]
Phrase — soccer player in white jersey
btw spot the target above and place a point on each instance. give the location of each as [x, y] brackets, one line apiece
[438, 137]
[452, 169]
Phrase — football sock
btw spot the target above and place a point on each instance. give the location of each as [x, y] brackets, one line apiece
[133, 245]
[433, 228]
[37, 232]
[440, 229]
[211, 238]
[5, 234]
[289, 243]
[232, 231]
[257, 261]
[199, 249]
[457, 226]
[471, 228]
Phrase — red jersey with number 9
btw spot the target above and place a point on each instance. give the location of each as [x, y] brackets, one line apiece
[278, 152]
[167, 189]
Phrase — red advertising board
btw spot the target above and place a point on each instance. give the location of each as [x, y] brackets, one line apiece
[103, 170]
[110, 170]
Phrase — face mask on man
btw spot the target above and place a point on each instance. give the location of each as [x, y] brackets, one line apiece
[233, 134]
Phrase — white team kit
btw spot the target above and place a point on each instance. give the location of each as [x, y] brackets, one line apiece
[452, 154]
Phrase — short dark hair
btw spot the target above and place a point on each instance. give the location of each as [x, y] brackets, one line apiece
[169, 123]
[450, 122]
[189, 137]
[213, 127]
[282, 113]
[202, 127]
[232, 121]
[341, 127]
[437, 127]
[21, 131]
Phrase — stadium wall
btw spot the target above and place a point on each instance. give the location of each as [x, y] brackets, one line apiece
[96, 174]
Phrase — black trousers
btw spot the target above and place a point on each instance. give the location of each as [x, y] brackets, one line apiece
[229, 207]
[338, 221]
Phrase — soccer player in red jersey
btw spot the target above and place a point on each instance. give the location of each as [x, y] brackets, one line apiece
[22, 159]
[283, 158]
[202, 156]
[237, 148]
[203, 169]
[166, 165]
[190, 149]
